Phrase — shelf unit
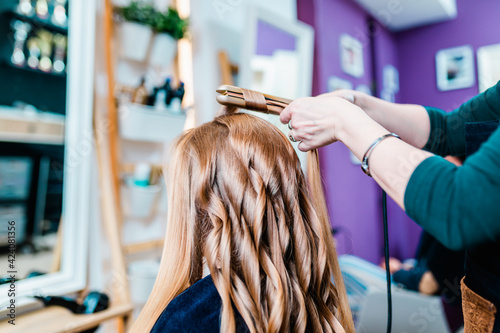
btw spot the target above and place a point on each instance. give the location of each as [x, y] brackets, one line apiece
[33, 70]
[145, 123]
[22, 134]
[34, 85]
[50, 319]
[36, 21]
[151, 117]
[117, 166]
[40, 128]
[26, 78]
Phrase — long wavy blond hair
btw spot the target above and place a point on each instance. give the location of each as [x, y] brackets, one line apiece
[239, 199]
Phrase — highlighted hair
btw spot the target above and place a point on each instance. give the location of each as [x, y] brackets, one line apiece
[238, 199]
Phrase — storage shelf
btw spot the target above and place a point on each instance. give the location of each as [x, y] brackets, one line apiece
[56, 319]
[39, 23]
[25, 67]
[32, 138]
[21, 127]
[148, 124]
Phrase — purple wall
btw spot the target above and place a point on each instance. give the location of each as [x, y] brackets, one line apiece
[386, 53]
[415, 54]
[476, 25]
[270, 39]
[404, 234]
[354, 199]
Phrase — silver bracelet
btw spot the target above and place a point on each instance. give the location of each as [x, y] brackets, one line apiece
[366, 156]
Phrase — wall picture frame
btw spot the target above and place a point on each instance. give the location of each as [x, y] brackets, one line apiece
[455, 68]
[351, 56]
[488, 69]
[390, 78]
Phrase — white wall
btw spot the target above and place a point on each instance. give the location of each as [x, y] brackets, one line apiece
[216, 25]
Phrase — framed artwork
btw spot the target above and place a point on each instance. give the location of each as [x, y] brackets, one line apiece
[390, 78]
[455, 68]
[336, 83]
[488, 66]
[351, 56]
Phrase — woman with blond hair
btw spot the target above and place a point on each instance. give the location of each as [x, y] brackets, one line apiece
[239, 205]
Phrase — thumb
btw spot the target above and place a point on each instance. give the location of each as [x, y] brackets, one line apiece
[304, 147]
[286, 115]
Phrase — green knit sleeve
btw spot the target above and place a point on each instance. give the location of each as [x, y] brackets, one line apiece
[447, 133]
[459, 206]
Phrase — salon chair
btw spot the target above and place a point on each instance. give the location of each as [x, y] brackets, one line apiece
[367, 293]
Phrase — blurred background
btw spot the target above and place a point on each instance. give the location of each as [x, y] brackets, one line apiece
[153, 71]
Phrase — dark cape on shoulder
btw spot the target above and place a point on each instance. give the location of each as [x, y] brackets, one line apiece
[197, 309]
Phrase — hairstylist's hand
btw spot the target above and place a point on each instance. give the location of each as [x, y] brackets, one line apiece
[409, 121]
[317, 121]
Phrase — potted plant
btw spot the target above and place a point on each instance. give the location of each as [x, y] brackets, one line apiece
[136, 30]
[169, 28]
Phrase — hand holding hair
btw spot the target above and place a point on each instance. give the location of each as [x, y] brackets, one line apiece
[318, 121]
[322, 120]
[410, 121]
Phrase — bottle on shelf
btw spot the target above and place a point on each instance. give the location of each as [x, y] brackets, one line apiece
[42, 9]
[45, 45]
[160, 102]
[37, 48]
[51, 12]
[142, 174]
[140, 95]
[178, 95]
[25, 8]
[60, 43]
[166, 98]
[59, 16]
[161, 96]
[33, 52]
[168, 91]
[152, 97]
[21, 30]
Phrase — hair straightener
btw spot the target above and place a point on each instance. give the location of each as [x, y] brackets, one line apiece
[232, 96]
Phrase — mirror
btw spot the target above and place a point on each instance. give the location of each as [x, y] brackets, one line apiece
[46, 89]
[277, 59]
[277, 55]
[274, 64]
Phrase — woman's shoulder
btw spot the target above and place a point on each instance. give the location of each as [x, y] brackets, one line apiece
[197, 309]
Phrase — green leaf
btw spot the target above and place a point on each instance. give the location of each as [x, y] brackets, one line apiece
[144, 13]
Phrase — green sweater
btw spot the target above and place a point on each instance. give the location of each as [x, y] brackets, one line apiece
[460, 206]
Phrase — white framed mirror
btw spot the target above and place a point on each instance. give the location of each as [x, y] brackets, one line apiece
[488, 58]
[65, 56]
[277, 54]
[277, 59]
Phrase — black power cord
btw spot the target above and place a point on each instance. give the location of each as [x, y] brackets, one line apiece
[372, 32]
[387, 269]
